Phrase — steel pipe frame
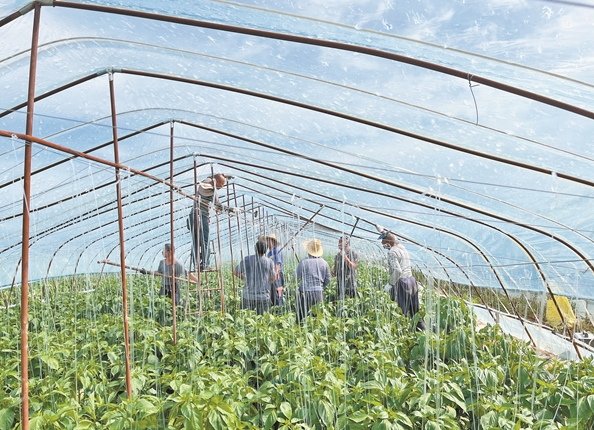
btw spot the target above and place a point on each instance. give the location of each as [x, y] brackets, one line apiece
[369, 210]
[86, 156]
[408, 238]
[324, 43]
[172, 235]
[96, 148]
[512, 304]
[514, 239]
[306, 106]
[116, 157]
[393, 184]
[24, 341]
[472, 246]
[578, 353]
[400, 186]
[390, 183]
[363, 121]
[98, 187]
[318, 42]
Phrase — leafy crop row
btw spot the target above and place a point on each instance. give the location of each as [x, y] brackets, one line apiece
[353, 365]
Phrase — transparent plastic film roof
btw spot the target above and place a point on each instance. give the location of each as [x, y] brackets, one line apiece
[464, 127]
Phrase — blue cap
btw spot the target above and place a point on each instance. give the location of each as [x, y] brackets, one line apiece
[384, 234]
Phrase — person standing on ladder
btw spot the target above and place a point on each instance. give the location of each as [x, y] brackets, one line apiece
[403, 285]
[198, 219]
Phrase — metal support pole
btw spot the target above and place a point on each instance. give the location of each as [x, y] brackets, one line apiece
[220, 265]
[247, 236]
[121, 231]
[171, 221]
[26, 221]
[197, 226]
[302, 227]
[231, 246]
[354, 227]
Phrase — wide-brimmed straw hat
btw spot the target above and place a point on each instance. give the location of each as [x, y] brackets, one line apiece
[314, 247]
[271, 236]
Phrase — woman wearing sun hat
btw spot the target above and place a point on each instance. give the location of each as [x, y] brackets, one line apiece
[314, 274]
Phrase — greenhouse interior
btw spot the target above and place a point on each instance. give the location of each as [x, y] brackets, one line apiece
[264, 214]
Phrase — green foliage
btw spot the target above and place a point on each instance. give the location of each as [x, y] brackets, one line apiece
[356, 364]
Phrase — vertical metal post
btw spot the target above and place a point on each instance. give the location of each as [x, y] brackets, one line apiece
[238, 225]
[121, 231]
[254, 215]
[231, 245]
[197, 226]
[171, 220]
[247, 236]
[220, 266]
[26, 221]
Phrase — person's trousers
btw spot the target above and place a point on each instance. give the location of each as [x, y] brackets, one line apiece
[166, 291]
[278, 297]
[304, 302]
[201, 239]
[260, 306]
[346, 289]
[406, 294]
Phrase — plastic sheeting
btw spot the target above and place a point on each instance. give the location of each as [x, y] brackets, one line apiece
[464, 127]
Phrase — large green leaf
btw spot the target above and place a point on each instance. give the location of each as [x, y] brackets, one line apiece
[286, 410]
[6, 419]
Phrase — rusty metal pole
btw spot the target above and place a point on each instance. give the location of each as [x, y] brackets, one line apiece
[247, 236]
[121, 230]
[220, 268]
[355, 226]
[26, 221]
[231, 245]
[238, 225]
[196, 237]
[171, 221]
[299, 231]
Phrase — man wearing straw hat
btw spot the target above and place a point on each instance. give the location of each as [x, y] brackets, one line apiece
[278, 285]
[258, 272]
[404, 289]
[314, 274]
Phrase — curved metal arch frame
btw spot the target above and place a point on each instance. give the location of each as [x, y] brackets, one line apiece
[323, 43]
[375, 178]
[96, 159]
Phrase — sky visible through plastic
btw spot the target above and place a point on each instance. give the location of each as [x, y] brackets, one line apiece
[488, 184]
